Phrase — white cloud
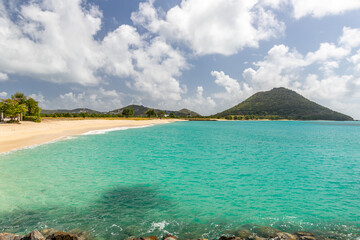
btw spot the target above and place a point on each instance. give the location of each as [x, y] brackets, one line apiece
[226, 27]
[278, 69]
[46, 43]
[117, 48]
[327, 88]
[158, 65]
[234, 90]
[3, 94]
[55, 41]
[321, 8]
[213, 26]
[326, 52]
[39, 98]
[350, 37]
[3, 77]
[355, 60]
[97, 99]
[199, 103]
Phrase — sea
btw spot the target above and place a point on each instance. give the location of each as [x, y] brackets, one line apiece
[190, 179]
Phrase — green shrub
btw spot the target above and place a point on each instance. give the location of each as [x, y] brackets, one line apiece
[32, 119]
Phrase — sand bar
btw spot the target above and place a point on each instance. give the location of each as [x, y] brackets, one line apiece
[17, 136]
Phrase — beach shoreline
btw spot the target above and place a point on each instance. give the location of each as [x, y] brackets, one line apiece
[27, 134]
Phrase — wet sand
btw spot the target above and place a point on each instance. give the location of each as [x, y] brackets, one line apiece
[25, 134]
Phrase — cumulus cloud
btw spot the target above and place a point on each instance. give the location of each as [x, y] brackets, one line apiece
[159, 64]
[97, 99]
[226, 27]
[350, 37]
[3, 94]
[212, 27]
[278, 69]
[3, 77]
[234, 90]
[39, 98]
[327, 51]
[199, 103]
[55, 41]
[47, 44]
[321, 8]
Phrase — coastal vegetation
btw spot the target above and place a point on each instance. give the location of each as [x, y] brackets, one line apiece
[135, 111]
[20, 107]
[128, 112]
[282, 103]
[140, 111]
[151, 113]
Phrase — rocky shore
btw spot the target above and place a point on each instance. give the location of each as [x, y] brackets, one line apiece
[260, 233]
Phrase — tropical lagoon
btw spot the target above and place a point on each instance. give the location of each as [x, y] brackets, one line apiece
[190, 179]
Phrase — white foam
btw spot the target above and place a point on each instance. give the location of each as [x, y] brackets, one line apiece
[158, 225]
[104, 131]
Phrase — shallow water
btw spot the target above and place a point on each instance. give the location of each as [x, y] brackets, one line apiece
[192, 179]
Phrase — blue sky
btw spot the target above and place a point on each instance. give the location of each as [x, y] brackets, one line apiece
[203, 55]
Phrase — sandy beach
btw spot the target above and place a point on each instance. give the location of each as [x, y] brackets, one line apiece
[17, 136]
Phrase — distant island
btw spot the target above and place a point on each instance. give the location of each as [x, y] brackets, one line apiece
[282, 103]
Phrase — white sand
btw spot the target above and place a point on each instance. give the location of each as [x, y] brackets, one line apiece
[16, 136]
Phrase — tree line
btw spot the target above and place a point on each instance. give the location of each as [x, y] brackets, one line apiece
[127, 113]
[20, 106]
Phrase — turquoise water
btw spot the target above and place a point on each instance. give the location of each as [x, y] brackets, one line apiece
[192, 179]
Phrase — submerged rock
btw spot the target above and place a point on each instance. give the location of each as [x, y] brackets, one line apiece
[169, 237]
[266, 232]
[305, 235]
[132, 230]
[9, 236]
[302, 233]
[34, 235]
[149, 238]
[285, 236]
[255, 238]
[62, 236]
[143, 238]
[230, 238]
[243, 233]
[48, 231]
[307, 238]
[82, 235]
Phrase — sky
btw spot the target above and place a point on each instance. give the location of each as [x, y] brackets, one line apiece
[202, 55]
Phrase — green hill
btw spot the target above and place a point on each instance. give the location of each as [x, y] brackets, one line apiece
[139, 111]
[283, 103]
[188, 112]
[73, 111]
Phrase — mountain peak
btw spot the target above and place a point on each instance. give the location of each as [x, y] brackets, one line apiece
[284, 103]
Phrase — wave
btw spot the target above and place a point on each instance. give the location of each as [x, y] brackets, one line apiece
[104, 131]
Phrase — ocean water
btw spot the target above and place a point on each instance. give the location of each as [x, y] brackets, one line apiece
[191, 179]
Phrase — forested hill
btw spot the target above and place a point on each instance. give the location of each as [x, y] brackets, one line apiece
[140, 111]
[283, 103]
